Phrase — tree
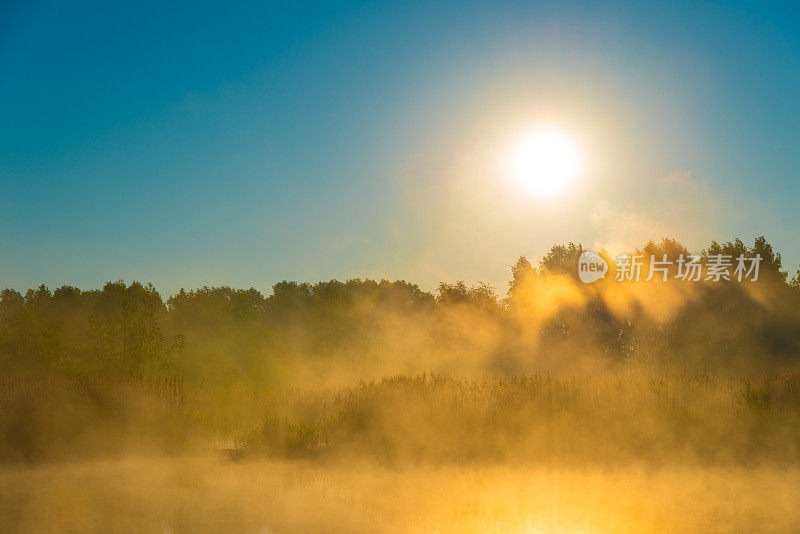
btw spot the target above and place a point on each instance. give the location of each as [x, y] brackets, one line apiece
[125, 331]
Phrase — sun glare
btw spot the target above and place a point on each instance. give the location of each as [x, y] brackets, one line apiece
[545, 162]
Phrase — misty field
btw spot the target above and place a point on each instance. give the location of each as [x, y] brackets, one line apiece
[406, 453]
[376, 406]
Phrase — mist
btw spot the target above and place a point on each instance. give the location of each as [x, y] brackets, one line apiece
[477, 409]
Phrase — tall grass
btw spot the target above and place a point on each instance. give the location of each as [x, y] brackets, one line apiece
[428, 418]
[540, 419]
[58, 417]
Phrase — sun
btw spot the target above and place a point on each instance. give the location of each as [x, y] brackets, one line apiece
[545, 162]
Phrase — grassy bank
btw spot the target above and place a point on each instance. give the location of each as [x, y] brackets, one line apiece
[612, 420]
[429, 419]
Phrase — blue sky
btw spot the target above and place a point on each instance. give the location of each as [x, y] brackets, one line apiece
[243, 144]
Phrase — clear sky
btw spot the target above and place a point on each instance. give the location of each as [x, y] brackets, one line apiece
[243, 144]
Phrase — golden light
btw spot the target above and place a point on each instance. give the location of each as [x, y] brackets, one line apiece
[545, 162]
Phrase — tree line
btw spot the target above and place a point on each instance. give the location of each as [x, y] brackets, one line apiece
[545, 320]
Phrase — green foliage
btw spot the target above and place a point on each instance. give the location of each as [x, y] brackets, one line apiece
[561, 259]
[114, 331]
[546, 321]
[125, 332]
